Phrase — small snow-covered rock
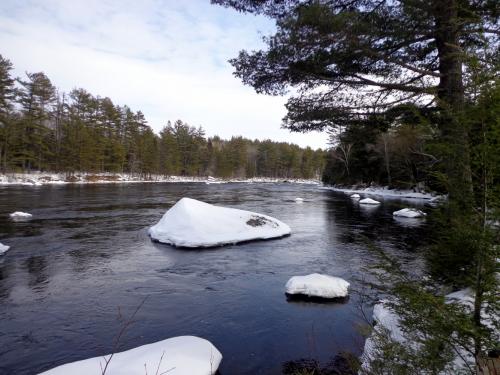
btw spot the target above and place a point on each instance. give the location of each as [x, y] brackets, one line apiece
[369, 201]
[20, 215]
[318, 285]
[191, 223]
[356, 196]
[183, 355]
[3, 248]
[409, 212]
[299, 200]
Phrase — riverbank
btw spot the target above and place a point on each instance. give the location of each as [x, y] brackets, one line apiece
[42, 178]
[384, 191]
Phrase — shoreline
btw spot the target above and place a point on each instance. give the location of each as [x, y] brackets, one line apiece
[42, 179]
[384, 191]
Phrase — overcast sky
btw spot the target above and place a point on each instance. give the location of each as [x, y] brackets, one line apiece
[167, 58]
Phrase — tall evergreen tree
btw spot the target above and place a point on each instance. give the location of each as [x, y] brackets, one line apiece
[369, 56]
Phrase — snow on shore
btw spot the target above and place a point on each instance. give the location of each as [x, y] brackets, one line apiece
[183, 355]
[317, 285]
[192, 223]
[385, 319]
[386, 192]
[40, 178]
[3, 248]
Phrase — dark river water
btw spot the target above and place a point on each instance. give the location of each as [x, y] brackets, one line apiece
[85, 257]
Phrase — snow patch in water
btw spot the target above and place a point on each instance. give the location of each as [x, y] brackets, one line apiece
[192, 223]
[183, 355]
[317, 285]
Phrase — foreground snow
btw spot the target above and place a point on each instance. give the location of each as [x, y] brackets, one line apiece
[409, 213]
[40, 178]
[369, 201]
[192, 223]
[183, 355]
[317, 285]
[386, 192]
[386, 319]
[3, 248]
[20, 215]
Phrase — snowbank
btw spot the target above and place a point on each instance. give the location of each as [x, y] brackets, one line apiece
[41, 178]
[191, 223]
[20, 215]
[183, 355]
[386, 192]
[385, 318]
[409, 213]
[317, 285]
[369, 201]
[3, 248]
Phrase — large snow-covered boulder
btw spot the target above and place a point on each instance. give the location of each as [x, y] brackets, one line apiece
[183, 355]
[356, 196]
[299, 200]
[191, 223]
[369, 201]
[411, 213]
[20, 215]
[3, 248]
[317, 285]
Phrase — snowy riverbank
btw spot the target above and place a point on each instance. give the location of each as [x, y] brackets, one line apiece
[42, 178]
[386, 192]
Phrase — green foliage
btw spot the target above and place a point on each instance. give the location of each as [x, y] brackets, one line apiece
[41, 129]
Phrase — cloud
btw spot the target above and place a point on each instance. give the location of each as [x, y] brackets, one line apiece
[166, 58]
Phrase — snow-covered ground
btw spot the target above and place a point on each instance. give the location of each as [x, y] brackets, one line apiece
[3, 248]
[183, 355]
[192, 223]
[40, 178]
[317, 285]
[385, 318]
[386, 192]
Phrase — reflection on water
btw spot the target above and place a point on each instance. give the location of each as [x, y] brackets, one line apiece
[86, 255]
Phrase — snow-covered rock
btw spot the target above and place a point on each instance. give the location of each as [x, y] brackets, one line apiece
[409, 212]
[3, 248]
[384, 320]
[355, 196]
[369, 201]
[317, 285]
[183, 355]
[20, 215]
[299, 200]
[191, 223]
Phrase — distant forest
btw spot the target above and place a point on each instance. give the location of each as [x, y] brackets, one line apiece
[46, 130]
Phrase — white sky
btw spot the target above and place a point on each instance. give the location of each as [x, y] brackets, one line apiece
[167, 58]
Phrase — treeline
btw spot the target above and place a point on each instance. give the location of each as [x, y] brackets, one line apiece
[392, 149]
[47, 130]
[403, 147]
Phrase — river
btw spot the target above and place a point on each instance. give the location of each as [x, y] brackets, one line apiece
[85, 259]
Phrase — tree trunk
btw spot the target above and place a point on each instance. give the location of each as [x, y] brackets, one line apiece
[451, 103]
